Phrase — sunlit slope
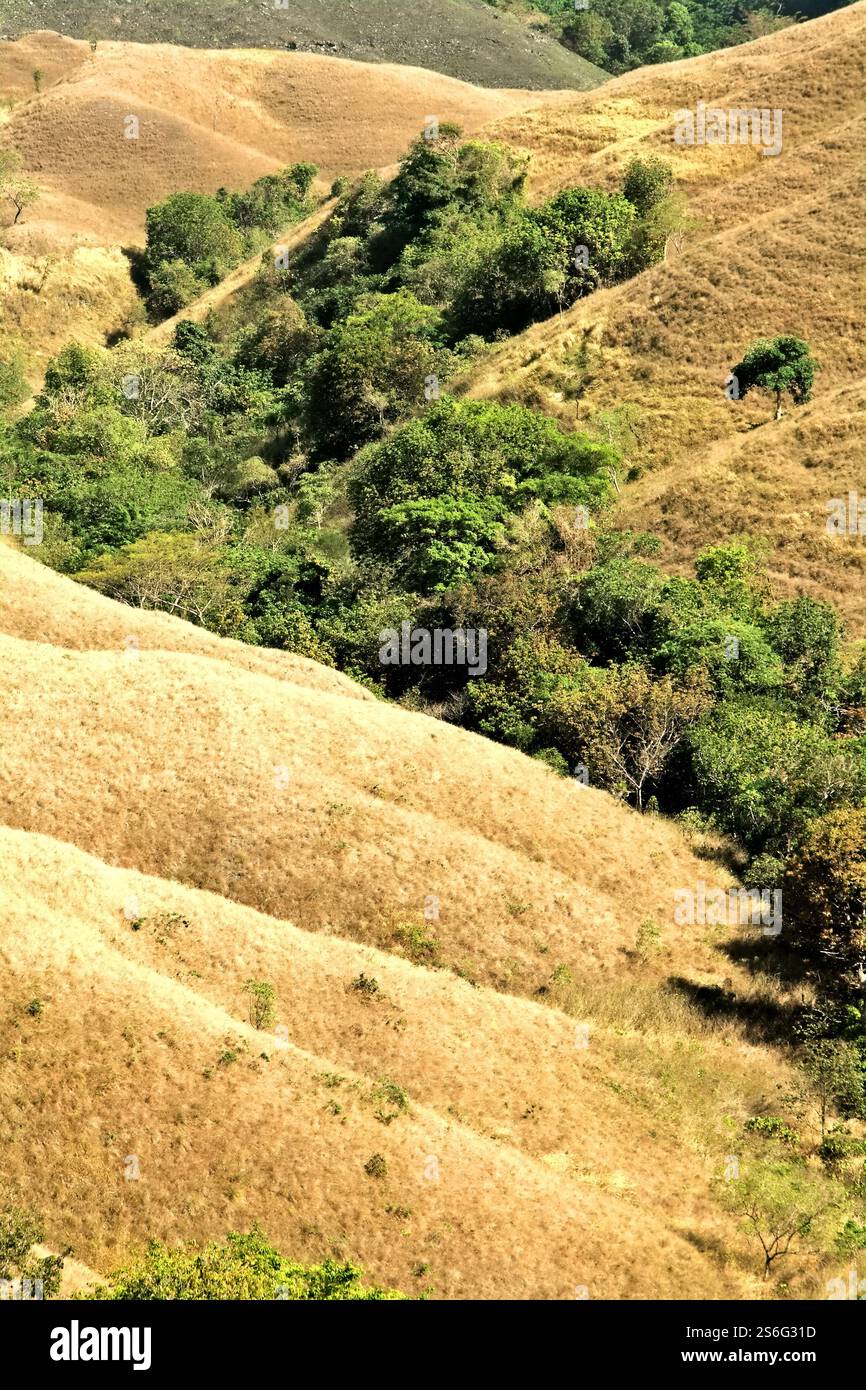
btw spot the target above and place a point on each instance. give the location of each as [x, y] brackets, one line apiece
[39, 605]
[516, 1163]
[208, 118]
[776, 247]
[347, 814]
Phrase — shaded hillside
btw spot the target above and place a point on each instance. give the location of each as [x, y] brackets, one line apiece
[463, 38]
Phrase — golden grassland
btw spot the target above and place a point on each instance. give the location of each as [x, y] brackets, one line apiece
[271, 820]
[776, 246]
[210, 117]
[574, 1093]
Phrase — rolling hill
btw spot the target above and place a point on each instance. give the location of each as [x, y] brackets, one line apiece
[207, 119]
[166, 865]
[776, 247]
[461, 38]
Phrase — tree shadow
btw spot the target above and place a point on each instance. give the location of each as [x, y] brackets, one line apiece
[762, 1018]
[766, 955]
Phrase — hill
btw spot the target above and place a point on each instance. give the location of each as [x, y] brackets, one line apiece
[775, 248]
[461, 38]
[207, 119]
[166, 865]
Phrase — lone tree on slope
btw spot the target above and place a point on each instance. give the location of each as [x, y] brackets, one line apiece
[16, 187]
[777, 365]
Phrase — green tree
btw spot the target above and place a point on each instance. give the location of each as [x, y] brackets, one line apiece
[647, 182]
[626, 725]
[13, 383]
[834, 1078]
[172, 285]
[825, 898]
[764, 774]
[784, 1207]
[173, 572]
[806, 633]
[262, 1002]
[15, 186]
[244, 1267]
[781, 366]
[370, 370]
[485, 460]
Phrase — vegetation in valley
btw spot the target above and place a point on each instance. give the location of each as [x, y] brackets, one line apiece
[303, 471]
[244, 1266]
[618, 35]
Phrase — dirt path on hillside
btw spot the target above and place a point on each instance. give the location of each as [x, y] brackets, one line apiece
[237, 279]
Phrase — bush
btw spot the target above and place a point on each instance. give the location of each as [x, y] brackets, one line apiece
[262, 1002]
[430, 501]
[246, 1267]
[20, 1230]
[825, 895]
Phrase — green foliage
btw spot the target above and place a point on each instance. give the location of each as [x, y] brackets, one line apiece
[647, 182]
[262, 1003]
[783, 1207]
[825, 892]
[621, 34]
[419, 947]
[763, 774]
[20, 1230]
[193, 228]
[193, 239]
[781, 366]
[13, 383]
[835, 1078]
[245, 1267]
[430, 501]
[370, 370]
[772, 1127]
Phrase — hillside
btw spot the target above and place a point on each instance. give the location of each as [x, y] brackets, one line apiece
[605, 1149]
[776, 248]
[461, 38]
[207, 119]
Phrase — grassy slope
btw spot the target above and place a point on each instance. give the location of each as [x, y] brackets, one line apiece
[463, 38]
[777, 249]
[560, 1166]
[207, 119]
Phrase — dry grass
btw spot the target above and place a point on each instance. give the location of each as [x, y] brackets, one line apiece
[777, 249]
[381, 807]
[210, 118]
[558, 1166]
[133, 784]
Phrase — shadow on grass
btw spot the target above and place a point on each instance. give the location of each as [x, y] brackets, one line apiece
[762, 1017]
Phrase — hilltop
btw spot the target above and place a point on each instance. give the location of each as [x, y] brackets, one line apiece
[461, 38]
